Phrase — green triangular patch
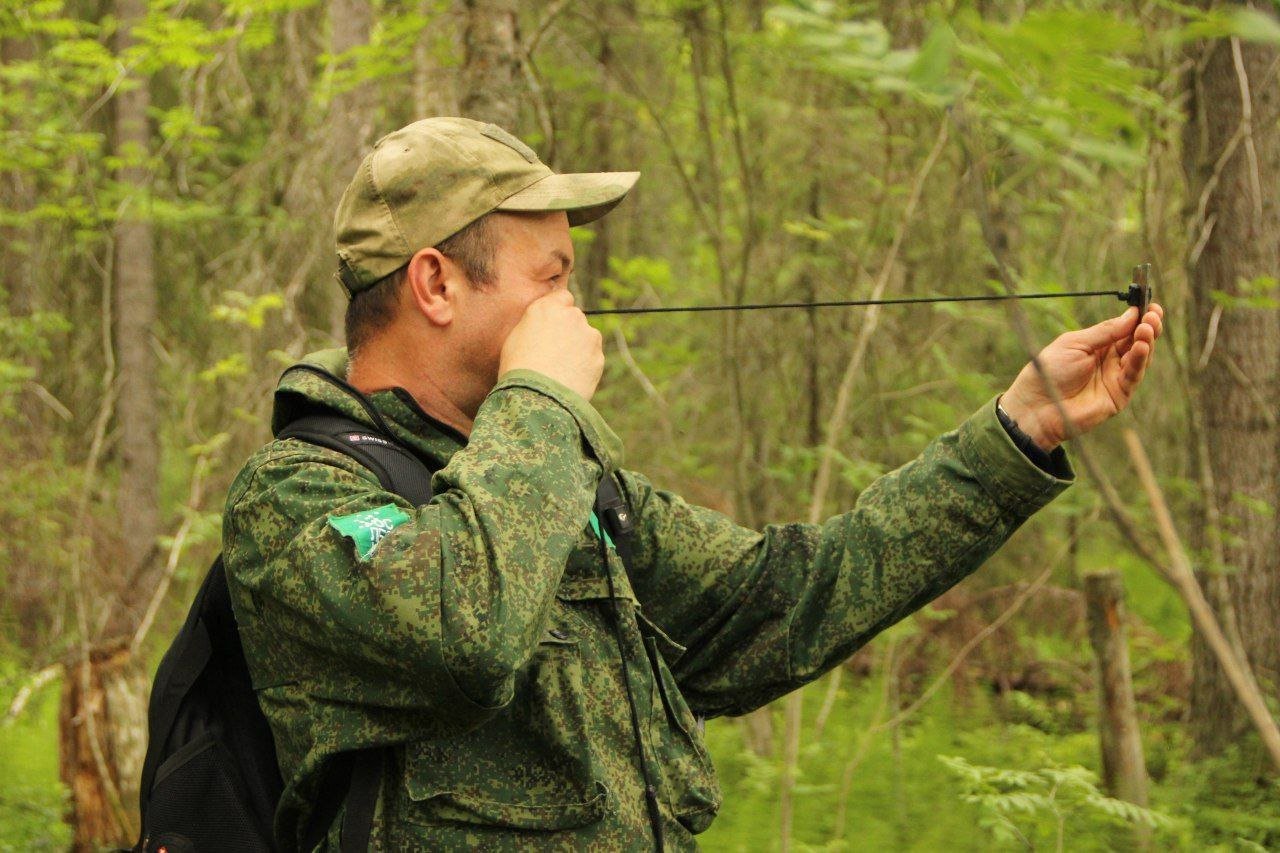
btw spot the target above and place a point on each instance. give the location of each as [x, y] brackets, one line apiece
[366, 529]
[597, 530]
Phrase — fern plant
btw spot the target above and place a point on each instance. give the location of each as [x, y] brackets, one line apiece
[1026, 807]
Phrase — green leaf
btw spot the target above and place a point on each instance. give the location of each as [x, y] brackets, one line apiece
[933, 60]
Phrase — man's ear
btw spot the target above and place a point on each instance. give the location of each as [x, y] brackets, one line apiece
[432, 281]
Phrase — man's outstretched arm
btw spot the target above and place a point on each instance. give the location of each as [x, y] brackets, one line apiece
[764, 612]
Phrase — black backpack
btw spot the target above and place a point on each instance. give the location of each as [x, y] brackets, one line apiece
[210, 780]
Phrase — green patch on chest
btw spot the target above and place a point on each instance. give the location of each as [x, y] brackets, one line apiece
[366, 529]
[599, 530]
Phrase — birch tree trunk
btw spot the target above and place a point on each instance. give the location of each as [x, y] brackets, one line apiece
[1231, 158]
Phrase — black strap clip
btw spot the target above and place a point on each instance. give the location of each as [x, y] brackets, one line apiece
[611, 507]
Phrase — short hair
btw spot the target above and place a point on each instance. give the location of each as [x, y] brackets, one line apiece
[473, 249]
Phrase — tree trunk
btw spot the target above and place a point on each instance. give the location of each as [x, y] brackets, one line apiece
[489, 77]
[350, 131]
[757, 731]
[135, 317]
[102, 723]
[600, 131]
[433, 83]
[321, 172]
[1231, 158]
[350, 122]
[1124, 770]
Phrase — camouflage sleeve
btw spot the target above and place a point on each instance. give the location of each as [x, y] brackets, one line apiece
[763, 613]
[443, 610]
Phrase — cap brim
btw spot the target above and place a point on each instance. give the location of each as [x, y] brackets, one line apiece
[584, 196]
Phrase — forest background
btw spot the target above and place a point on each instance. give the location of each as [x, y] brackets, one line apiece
[167, 182]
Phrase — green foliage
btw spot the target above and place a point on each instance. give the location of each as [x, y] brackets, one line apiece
[956, 778]
[637, 277]
[1058, 84]
[244, 310]
[386, 55]
[858, 51]
[32, 800]
[166, 42]
[778, 148]
[24, 342]
[1232, 798]
[797, 464]
[1045, 806]
[1061, 87]
[1243, 22]
[1260, 293]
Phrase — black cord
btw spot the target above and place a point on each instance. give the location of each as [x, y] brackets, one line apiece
[650, 791]
[847, 303]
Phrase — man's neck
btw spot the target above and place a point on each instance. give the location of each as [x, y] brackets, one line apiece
[376, 370]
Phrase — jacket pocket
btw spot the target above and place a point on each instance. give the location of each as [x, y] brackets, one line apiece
[688, 775]
[531, 766]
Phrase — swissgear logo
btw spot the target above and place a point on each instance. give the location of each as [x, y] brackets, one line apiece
[365, 438]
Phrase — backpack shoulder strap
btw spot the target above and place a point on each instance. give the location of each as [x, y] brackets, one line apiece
[397, 469]
[355, 778]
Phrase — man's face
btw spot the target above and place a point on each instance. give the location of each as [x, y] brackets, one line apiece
[534, 256]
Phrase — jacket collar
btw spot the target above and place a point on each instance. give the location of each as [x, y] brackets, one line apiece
[318, 381]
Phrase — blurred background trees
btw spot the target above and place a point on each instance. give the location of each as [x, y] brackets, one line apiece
[167, 183]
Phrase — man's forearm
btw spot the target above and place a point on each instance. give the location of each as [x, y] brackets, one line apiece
[763, 613]
[513, 505]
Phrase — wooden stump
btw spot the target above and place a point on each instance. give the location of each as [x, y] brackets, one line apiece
[1124, 770]
[103, 810]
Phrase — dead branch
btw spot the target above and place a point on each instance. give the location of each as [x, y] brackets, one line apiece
[835, 426]
[864, 742]
[840, 410]
[1182, 576]
[194, 498]
[79, 591]
[651, 391]
[1246, 126]
[1022, 328]
[828, 702]
[38, 680]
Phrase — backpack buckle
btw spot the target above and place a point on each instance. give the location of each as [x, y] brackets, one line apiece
[612, 508]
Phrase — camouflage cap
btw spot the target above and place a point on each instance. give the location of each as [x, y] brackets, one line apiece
[429, 180]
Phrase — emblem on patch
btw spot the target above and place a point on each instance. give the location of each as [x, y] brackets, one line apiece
[366, 529]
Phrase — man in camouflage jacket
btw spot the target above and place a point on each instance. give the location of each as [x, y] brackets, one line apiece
[476, 635]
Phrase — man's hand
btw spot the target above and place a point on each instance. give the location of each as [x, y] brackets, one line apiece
[1096, 370]
[554, 338]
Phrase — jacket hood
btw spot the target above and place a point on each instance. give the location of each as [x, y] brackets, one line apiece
[318, 381]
